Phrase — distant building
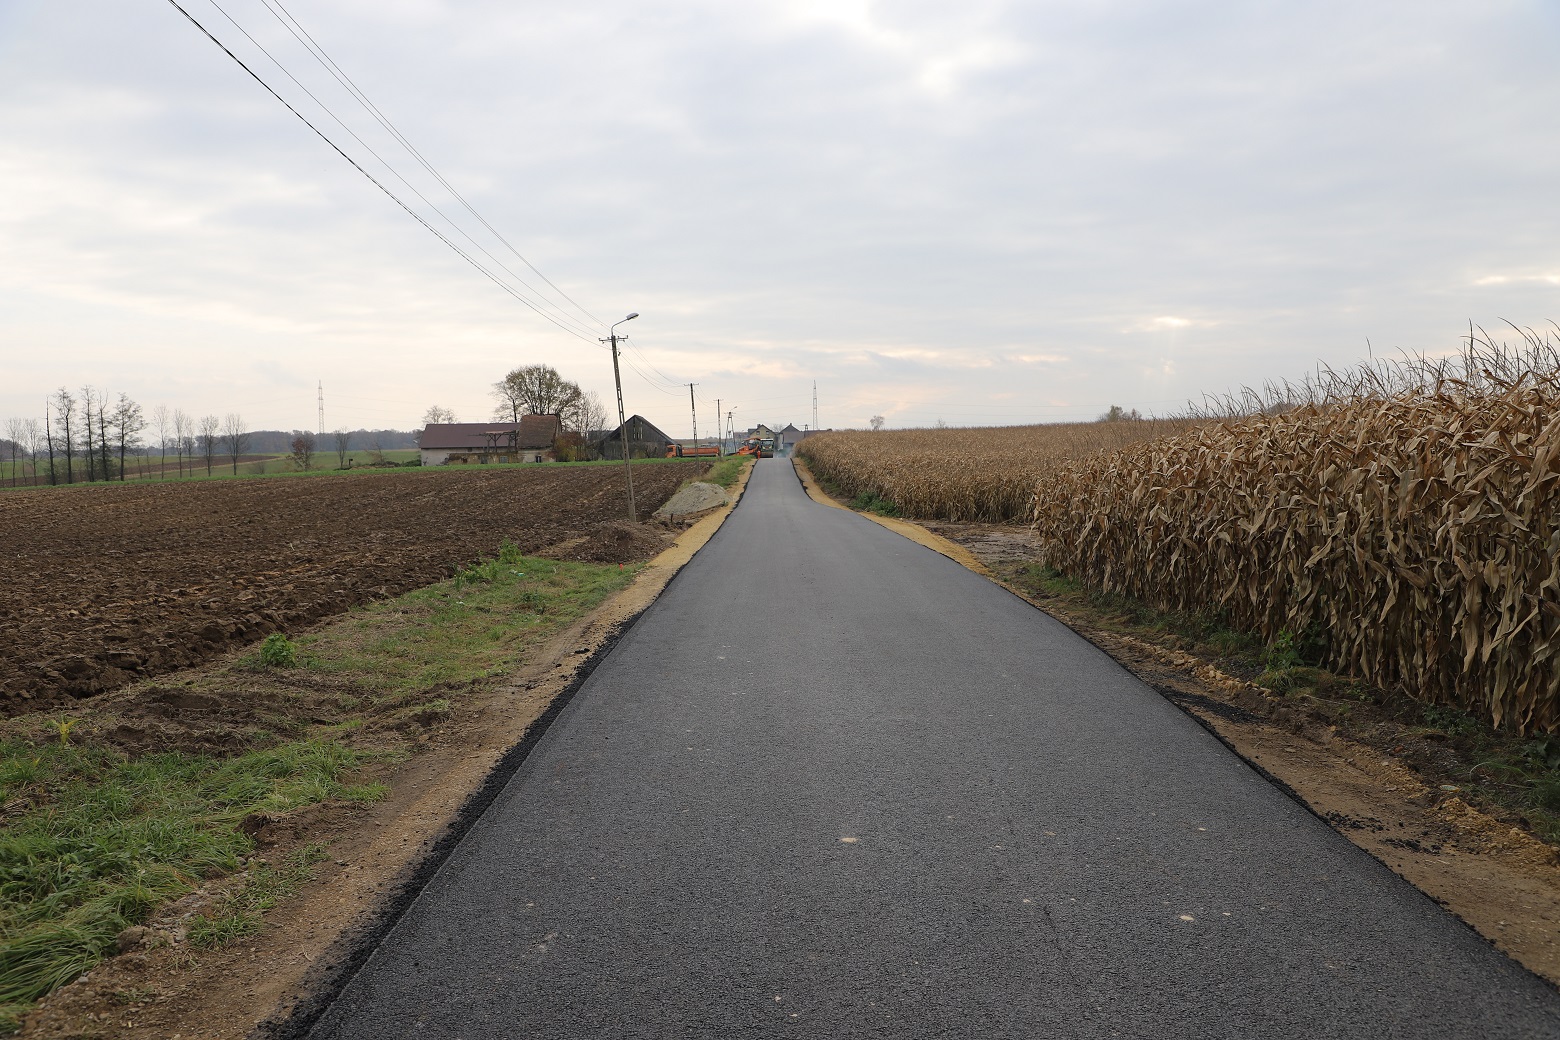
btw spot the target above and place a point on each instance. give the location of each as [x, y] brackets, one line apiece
[529, 440]
[645, 441]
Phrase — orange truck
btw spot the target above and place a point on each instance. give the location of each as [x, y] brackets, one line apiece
[703, 451]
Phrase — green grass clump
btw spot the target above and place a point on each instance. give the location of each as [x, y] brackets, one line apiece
[725, 472]
[239, 914]
[278, 652]
[872, 502]
[113, 838]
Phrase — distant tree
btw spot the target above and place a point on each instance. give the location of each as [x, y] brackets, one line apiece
[235, 435]
[15, 430]
[939, 425]
[436, 414]
[89, 452]
[303, 449]
[343, 440]
[32, 442]
[1116, 413]
[588, 413]
[877, 422]
[534, 390]
[570, 447]
[210, 434]
[162, 419]
[106, 463]
[65, 431]
[129, 421]
[183, 436]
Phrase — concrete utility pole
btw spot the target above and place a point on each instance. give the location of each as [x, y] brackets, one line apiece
[815, 404]
[694, 411]
[617, 378]
[321, 431]
[720, 441]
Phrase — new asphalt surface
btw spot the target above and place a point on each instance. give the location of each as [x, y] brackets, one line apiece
[832, 784]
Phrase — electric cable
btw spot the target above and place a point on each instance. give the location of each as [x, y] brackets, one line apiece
[373, 180]
[394, 172]
[329, 64]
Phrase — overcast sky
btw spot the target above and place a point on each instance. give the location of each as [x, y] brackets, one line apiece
[980, 212]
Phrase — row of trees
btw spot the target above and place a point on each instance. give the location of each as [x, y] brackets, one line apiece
[94, 435]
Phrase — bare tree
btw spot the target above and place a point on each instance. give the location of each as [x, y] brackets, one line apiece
[32, 441]
[533, 390]
[588, 413]
[88, 399]
[343, 440]
[161, 420]
[303, 449]
[183, 436]
[64, 433]
[236, 436]
[128, 424]
[436, 414]
[210, 433]
[15, 430]
[877, 423]
[106, 462]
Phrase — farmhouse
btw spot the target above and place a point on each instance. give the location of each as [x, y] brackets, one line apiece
[529, 440]
[645, 441]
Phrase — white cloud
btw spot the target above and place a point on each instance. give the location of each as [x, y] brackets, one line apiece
[1019, 210]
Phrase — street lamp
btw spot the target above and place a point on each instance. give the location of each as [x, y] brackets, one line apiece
[628, 469]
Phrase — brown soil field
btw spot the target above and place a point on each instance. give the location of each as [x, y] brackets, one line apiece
[111, 583]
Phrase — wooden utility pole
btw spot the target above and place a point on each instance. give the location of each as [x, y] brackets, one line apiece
[694, 411]
[617, 378]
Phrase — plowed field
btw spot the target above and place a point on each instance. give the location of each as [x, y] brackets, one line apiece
[106, 584]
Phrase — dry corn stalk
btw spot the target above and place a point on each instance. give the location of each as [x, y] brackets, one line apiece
[985, 475]
[1414, 531]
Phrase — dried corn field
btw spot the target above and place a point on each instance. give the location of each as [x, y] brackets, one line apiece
[985, 475]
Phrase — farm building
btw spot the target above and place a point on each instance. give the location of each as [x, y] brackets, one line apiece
[529, 440]
[790, 437]
[645, 441]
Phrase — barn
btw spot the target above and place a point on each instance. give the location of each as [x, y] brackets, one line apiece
[529, 440]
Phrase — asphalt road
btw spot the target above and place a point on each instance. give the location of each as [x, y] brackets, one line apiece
[832, 784]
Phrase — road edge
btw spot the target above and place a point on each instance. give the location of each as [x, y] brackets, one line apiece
[352, 949]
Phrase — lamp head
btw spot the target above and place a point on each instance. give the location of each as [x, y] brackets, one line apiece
[632, 316]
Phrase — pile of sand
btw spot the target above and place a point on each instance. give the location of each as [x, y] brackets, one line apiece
[694, 498]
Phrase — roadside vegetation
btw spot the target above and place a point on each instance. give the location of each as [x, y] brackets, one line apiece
[725, 472]
[115, 810]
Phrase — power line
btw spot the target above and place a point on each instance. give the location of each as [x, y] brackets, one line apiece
[569, 319]
[329, 64]
[371, 178]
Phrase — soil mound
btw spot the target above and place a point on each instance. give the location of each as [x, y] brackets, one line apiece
[616, 541]
[695, 498]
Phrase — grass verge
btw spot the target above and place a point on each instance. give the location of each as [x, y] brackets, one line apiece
[725, 472]
[1514, 778]
[99, 833]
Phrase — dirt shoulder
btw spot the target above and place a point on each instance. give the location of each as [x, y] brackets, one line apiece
[376, 856]
[1483, 866]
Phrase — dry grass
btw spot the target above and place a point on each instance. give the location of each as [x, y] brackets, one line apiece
[985, 475]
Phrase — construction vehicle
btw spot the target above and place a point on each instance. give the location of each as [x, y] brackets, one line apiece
[703, 451]
[760, 447]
